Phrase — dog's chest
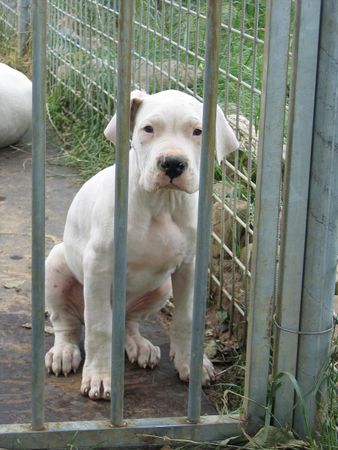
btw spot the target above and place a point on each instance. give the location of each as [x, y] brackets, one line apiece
[159, 247]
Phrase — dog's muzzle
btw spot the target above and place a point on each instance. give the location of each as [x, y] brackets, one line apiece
[172, 166]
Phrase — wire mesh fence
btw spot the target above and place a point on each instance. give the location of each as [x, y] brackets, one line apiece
[169, 53]
[8, 21]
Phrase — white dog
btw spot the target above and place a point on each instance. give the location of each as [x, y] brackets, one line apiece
[15, 106]
[163, 191]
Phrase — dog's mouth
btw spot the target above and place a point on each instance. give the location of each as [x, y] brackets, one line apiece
[180, 183]
[155, 179]
[173, 187]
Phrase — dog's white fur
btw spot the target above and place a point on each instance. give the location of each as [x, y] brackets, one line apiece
[15, 106]
[160, 248]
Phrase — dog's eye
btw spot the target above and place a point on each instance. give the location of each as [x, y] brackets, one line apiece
[197, 132]
[148, 129]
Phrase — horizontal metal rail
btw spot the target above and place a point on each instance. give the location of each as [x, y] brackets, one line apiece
[135, 433]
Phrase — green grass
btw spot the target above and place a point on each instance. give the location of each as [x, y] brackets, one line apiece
[84, 147]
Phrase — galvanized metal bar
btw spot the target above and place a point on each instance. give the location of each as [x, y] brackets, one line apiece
[204, 205]
[295, 198]
[266, 210]
[234, 227]
[121, 209]
[23, 8]
[248, 228]
[39, 19]
[136, 434]
[322, 229]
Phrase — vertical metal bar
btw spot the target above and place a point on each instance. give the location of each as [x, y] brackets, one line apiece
[222, 251]
[204, 205]
[295, 198]
[121, 208]
[39, 19]
[187, 45]
[322, 227]
[140, 46]
[196, 45]
[134, 65]
[23, 9]
[228, 55]
[163, 22]
[155, 27]
[147, 47]
[69, 41]
[266, 210]
[250, 159]
[171, 44]
[178, 17]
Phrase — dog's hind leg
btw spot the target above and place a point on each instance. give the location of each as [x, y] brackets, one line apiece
[64, 301]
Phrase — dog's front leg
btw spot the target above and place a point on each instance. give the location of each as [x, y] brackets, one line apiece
[96, 377]
[181, 329]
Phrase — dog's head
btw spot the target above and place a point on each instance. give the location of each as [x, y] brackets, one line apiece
[166, 135]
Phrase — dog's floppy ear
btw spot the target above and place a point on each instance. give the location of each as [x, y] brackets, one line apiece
[226, 141]
[136, 98]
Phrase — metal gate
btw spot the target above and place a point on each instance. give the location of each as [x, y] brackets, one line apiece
[290, 301]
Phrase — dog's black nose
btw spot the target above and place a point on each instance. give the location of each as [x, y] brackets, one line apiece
[173, 166]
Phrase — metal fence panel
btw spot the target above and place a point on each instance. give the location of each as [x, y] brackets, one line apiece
[295, 197]
[61, 431]
[267, 210]
[169, 52]
[322, 232]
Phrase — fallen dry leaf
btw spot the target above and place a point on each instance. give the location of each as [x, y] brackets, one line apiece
[53, 238]
[210, 348]
[13, 284]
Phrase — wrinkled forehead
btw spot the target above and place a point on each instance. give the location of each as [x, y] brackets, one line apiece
[170, 105]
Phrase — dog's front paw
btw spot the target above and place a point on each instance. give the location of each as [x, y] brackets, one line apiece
[143, 351]
[63, 358]
[95, 384]
[182, 365]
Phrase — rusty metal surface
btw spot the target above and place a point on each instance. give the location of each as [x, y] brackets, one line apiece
[147, 393]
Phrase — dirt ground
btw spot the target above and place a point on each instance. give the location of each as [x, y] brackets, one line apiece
[147, 393]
